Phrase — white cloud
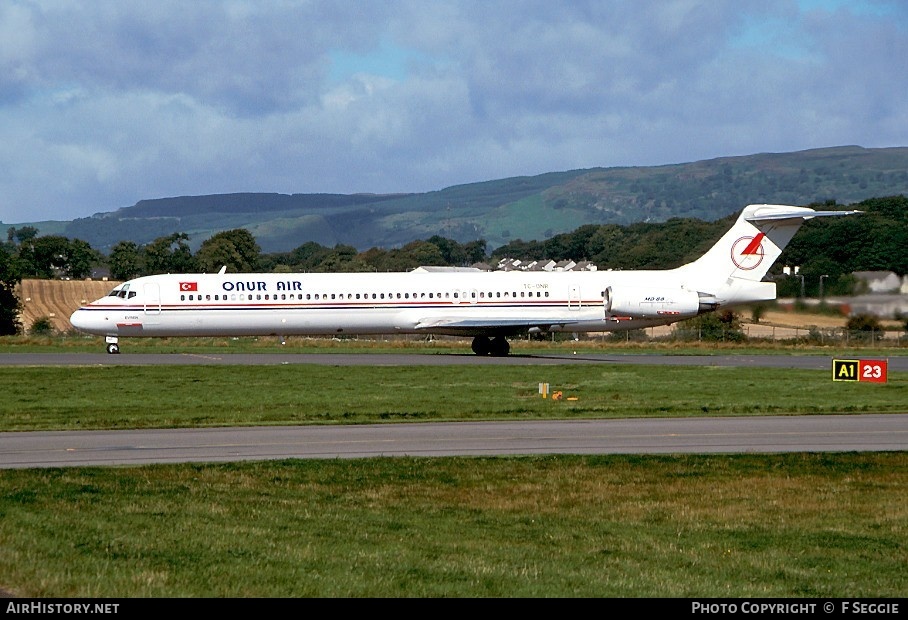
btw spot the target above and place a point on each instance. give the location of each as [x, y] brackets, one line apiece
[105, 103]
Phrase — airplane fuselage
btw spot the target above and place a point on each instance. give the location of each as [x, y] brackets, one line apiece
[500, 303]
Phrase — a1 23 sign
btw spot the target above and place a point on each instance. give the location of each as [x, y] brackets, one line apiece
[874, 371]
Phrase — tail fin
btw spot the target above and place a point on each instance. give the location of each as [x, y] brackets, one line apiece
[733, 269]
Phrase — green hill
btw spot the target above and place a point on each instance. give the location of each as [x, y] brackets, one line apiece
[502, 211]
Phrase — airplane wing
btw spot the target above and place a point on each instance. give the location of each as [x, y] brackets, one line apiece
[488, 327]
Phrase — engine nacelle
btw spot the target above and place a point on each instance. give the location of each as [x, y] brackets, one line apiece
[656, 303]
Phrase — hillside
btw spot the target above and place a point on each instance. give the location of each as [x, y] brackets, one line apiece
[501, 211]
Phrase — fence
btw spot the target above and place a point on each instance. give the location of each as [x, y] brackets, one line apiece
[808, 335]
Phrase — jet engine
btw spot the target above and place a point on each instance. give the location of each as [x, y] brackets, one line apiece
[649, 303]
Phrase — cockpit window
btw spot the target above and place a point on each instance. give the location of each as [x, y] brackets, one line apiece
[122, 292]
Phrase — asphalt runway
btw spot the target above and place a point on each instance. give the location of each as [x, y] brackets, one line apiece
[763, 434]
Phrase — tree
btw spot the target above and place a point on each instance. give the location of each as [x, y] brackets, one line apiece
[81, 257]
[341, 258]
[42, 326]
[422, 253]
[864, 328]
[10, 306]
[720, 326]
[52, 256]
[452, 253]
[125, 261]
[44, 257]
[170, 254]
[23, 234]
[475, 251]
[308, 256]
[236, 249]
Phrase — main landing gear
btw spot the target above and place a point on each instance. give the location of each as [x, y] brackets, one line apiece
[496, 347]
[112, 346]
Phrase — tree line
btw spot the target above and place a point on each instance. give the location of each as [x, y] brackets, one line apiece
[826, 250]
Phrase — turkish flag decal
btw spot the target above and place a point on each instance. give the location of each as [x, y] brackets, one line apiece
[189, 286]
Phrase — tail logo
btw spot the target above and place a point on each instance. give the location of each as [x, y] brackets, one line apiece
[747, 252]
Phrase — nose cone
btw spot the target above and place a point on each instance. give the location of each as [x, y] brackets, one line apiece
[84, 321]
[77, 319]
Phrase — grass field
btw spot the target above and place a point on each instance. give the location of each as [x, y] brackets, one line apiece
[110, 397]
[753, 525]
[798, 525]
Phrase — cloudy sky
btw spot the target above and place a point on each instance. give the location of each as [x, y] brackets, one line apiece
[104, 103]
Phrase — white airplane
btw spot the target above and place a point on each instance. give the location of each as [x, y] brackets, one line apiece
[489, 306]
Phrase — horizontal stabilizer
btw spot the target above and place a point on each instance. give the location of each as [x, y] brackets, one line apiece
[765, 213]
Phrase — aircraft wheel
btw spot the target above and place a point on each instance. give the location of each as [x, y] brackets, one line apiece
[113, 348]
[499, 347]
[481, 345]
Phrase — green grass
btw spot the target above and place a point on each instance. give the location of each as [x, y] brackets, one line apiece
[111, 397]
[752, 525]
[793, 525]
